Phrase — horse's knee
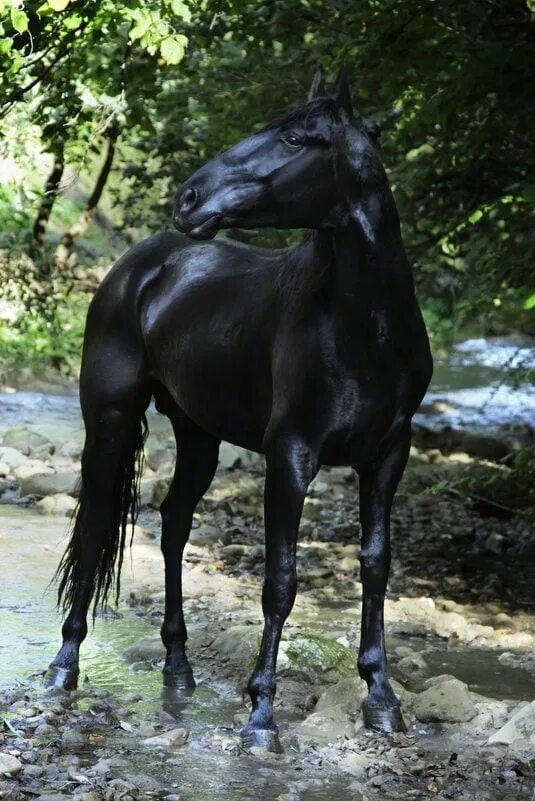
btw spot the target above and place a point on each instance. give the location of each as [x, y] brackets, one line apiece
[279, 590]
[374, 564]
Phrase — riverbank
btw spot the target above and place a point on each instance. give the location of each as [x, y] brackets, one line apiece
[459, 622]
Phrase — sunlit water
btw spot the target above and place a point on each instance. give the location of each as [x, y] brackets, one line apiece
[484, 383]
[30, 546]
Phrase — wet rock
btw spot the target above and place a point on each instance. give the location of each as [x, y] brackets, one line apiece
[352, 762]
[232, 553]
[207, 535]
[520, 726]
[447, 701]
[347, 694]
[312, 510]
[238, 644]
[55, 797]
[146, 490]
[224, 743]
[411, 664]
[149, 649]
[122, 788]
[483, 446]
[90, 795]
[157, 453]
[9, 765]
[72, 449]
[32, 771]
[29, 443]
[13, 458]
[325, 727]
[317, 655]
[159, 492]
[42, 484]
[231, 456]
[45, 730]
[491, 715]
[59, 504]
[176, 736]
[73, 740]
[144, 782]
[34, 467]
[420, 615]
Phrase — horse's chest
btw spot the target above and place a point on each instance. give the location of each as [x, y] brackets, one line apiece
[344, 404]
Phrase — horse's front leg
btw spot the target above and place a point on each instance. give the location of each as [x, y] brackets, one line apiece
[290, 466]
[381, 709]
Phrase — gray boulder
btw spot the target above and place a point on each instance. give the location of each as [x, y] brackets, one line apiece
[207, 535]
[13, 458]
[325, 727]
[146, 649]
[158, 454]
[9, 765]
[520, 726]
[59, 504]
[41, 484]
[238, 644]
[316, 655]
[347, 694]
[447, 701]
[176, 736]
[231, 456]
[29, 443]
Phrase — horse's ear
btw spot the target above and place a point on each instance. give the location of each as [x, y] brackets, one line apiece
[342, 93]
[318, 86]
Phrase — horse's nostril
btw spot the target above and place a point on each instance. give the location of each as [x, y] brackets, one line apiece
[188, 199]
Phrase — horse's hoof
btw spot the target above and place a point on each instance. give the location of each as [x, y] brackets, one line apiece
[175, 700]
[179, 681]
[383, 720]
[267, 739]
[61, 678]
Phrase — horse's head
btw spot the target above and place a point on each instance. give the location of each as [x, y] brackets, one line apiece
[292, 174]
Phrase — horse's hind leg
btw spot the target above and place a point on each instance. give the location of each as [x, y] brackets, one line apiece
[92, 562]
[197, 453]
[381, 709]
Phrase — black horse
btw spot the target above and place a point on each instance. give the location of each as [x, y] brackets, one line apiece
[312, 355]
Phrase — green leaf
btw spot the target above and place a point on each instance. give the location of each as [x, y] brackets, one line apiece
[72, 21]
[58, 5]
[180, 8]
[172, 48]
[141, 26]
[529, 303]
[19, 20]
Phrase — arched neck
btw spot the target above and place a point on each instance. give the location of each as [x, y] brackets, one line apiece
[372, 285]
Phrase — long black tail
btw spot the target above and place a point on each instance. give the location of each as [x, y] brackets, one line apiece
[111, 539]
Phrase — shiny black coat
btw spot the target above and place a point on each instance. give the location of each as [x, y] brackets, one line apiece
[311, 355]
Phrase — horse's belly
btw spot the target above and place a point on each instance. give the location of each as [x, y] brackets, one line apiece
[225, 393]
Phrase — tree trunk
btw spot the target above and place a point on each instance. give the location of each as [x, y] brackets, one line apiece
[49, 198]
[69, 237]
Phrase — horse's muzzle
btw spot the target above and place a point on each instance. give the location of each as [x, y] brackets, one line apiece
[204, 230]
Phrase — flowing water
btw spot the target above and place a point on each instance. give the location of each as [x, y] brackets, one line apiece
[484, 384]
[479, 387]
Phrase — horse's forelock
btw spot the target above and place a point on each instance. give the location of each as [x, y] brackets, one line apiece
[319, 106]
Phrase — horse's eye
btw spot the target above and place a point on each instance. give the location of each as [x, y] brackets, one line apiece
[293, 141]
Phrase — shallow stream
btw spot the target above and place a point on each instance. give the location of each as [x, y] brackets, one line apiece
[477, 388]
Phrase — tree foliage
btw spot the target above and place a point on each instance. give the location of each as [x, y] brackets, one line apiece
[177, 81]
